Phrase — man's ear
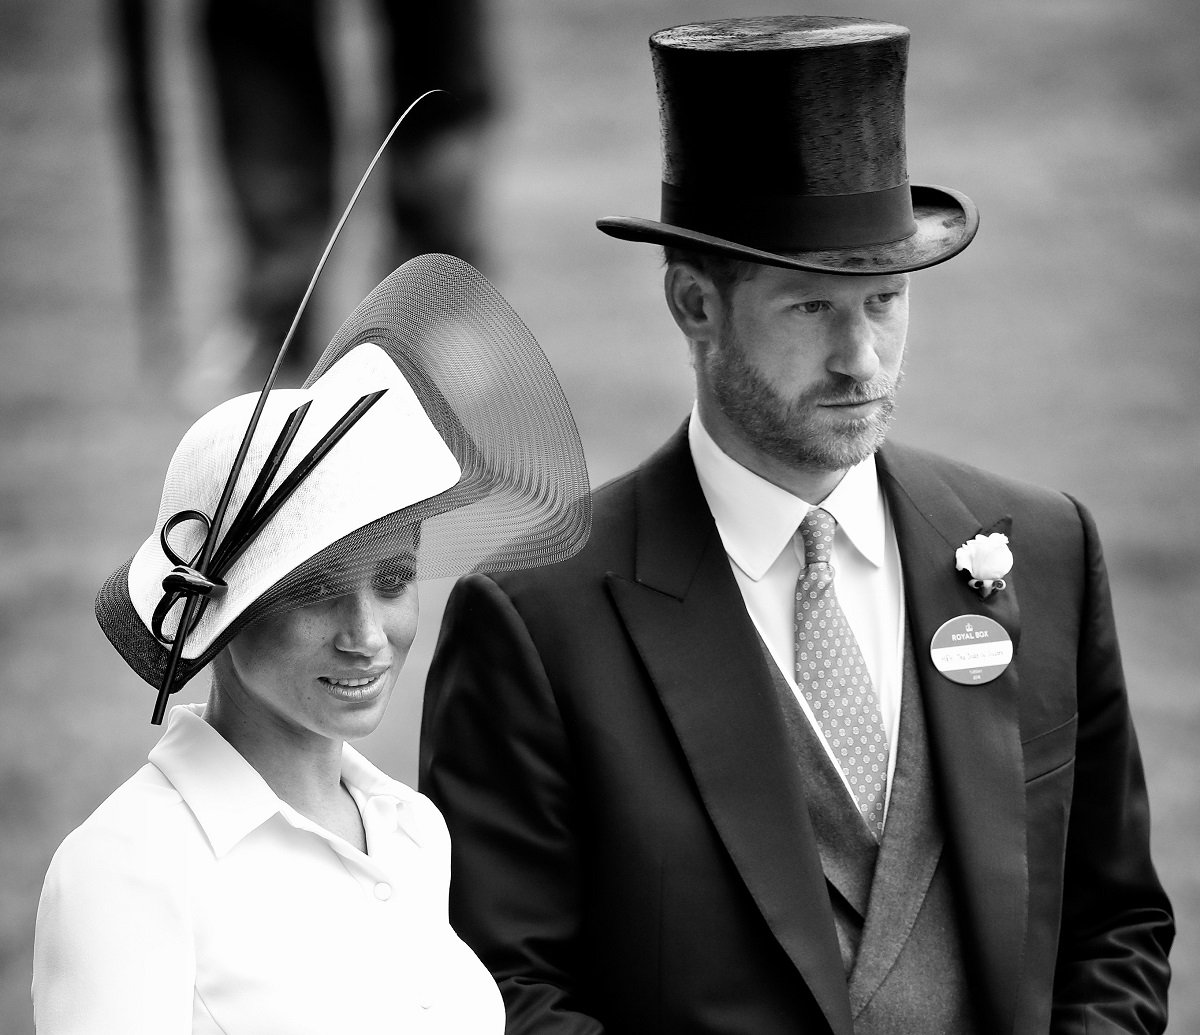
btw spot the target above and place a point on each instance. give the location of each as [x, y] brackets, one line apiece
[693, 300]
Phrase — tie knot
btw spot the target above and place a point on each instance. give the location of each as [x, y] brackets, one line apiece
[817, 530]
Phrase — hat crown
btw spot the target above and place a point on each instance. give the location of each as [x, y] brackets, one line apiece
[783, 105]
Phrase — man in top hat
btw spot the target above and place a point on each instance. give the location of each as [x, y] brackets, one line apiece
[818, 734]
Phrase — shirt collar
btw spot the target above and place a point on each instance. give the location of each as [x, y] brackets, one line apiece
[225, 792]
[758, 519]
[359, 774]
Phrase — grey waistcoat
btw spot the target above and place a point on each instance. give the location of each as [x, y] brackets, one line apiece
[893, 903]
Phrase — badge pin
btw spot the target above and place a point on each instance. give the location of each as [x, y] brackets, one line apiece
[971, 649]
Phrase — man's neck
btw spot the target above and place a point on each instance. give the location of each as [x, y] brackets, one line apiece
[812, 486]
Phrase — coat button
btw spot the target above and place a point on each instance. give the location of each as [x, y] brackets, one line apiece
[383, 891]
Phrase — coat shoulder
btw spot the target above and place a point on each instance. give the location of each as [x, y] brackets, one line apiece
[135, 821]
[911, 466]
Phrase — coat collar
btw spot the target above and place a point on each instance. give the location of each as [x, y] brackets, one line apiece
[226, 794]
[684, 613]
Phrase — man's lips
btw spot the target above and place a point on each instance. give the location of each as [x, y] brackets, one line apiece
[854, 404]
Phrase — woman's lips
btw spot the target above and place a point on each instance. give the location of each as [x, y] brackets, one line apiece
[355, 688]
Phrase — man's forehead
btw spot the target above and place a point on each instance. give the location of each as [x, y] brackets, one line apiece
[781, 279]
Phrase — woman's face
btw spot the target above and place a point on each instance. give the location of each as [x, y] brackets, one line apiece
[327, 668]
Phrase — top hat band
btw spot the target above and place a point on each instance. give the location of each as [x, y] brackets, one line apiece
[796, 222]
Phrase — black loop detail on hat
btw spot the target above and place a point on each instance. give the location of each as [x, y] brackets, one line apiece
[182, 583]
[184, 580]
[169, 526]
[793, 223]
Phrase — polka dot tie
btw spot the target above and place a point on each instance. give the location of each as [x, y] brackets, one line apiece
[833, 677]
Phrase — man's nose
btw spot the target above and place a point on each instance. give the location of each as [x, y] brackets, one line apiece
[359, 629]
[854, 349]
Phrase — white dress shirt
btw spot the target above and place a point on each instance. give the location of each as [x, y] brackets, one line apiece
[758, 523]
[194, 900]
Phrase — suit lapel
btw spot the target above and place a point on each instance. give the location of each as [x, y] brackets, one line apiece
[974, 732]
[687, 619]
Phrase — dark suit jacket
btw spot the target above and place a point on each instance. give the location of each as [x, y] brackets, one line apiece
[632, 850]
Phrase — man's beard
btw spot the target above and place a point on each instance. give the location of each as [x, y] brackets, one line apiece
[794, 431]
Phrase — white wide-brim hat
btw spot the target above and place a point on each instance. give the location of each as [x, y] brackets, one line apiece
[453, 449]
[358, 482]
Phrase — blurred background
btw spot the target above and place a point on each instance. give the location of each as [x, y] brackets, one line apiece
[1061, 347]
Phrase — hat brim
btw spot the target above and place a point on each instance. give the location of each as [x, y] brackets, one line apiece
[126, 630]
[946, 222]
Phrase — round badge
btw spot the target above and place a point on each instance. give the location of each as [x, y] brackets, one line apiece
[971, 649]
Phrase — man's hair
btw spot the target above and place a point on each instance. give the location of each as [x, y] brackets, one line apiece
[724, 271]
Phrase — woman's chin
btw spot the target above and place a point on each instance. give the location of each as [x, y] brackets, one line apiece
[352, 715]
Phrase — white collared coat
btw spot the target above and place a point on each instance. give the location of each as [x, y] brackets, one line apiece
[194, 900]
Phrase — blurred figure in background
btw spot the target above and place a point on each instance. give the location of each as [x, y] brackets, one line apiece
[276, 130]
[276, 133]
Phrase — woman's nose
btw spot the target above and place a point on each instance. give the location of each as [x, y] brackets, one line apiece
[359, 629]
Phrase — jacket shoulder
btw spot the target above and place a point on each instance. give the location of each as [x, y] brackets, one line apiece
[906, 465]
[143, 818]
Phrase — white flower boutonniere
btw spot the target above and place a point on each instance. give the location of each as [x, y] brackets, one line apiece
[987, 559]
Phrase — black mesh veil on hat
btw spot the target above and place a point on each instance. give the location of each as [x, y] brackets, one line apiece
[522, 498]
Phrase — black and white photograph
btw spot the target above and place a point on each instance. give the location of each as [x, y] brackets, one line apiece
[671, 516]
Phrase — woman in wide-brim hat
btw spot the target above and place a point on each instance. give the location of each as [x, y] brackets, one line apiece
[258, 874]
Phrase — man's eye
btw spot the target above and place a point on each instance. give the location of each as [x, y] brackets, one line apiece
[811, 307]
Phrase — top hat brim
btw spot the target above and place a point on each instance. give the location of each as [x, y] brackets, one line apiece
[945, 219]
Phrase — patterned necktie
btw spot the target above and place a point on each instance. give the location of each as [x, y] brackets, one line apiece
[833, 677]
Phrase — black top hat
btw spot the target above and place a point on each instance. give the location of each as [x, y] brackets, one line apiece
[783, 144]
